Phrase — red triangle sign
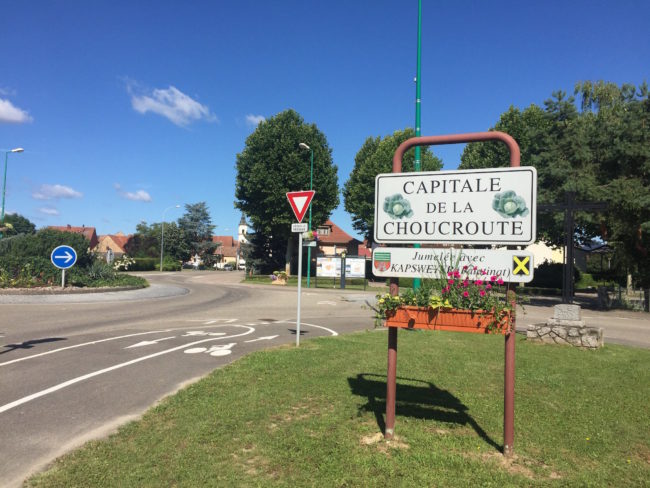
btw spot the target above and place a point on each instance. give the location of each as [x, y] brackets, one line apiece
[300, 201]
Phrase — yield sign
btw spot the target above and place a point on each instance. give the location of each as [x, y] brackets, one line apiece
[300, 201]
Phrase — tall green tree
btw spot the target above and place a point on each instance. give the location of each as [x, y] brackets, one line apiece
[197, 229]
[601, 151]
[375, 157]
[146, 241]
[271, 165]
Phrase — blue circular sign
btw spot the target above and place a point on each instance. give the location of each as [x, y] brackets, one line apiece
[63, 257]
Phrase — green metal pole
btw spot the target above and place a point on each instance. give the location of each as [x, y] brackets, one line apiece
[311, 185]
[4, 185]
[418, 161]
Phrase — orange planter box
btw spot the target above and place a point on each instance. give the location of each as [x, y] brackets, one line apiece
[477, 322]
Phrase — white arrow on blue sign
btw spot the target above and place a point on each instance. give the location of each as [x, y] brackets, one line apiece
[63, 257]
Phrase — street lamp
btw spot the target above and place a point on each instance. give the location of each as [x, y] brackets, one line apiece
[4, 186]
[302, 145]
[162, 235]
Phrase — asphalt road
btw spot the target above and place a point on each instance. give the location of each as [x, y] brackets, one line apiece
[75, 367]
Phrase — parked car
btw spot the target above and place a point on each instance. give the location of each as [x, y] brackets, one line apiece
[228, 267]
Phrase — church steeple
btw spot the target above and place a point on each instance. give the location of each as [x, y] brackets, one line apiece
[242, 230]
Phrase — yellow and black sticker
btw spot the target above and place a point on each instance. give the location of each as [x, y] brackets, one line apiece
[520, 265]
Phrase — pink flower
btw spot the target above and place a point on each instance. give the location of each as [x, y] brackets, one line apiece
[465, 294]
[456, 274]
[475, 268]
[488, 286]
[465, 283]
[464, 267]
[493, 278]
[450, 274]
[482, 293]
[451, 282]
[483, 272]
[445, 289]
[479, 282]
[500, 281]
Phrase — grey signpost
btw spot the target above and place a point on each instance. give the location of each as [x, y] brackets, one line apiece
[299, 201]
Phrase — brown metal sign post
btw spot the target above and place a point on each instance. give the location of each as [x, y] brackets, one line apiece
[509, 374]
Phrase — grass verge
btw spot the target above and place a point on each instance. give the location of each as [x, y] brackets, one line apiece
[350, 284]
[313, 416]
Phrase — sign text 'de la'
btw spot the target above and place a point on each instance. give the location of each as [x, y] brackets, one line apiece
[486, 206]
[510, 266]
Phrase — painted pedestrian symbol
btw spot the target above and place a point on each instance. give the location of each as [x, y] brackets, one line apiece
[520, 265]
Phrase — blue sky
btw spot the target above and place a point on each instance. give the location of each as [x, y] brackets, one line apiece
[127, 108]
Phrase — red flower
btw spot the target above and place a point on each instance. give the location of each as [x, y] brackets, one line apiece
[465, 294]
[479, 282]
[451, 282]
[493, 278]
[488, 286]
[482, 293]
[500, 281]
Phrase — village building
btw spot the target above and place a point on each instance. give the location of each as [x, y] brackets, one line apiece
[88, 232]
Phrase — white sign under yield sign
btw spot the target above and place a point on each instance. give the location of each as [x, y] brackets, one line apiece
[484, 206]
[299, 227]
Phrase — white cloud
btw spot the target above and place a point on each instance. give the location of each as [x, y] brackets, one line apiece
[48, 211]
[138, 196]
[49, 192]
[254, 120]
[171, 103]
[11, 114]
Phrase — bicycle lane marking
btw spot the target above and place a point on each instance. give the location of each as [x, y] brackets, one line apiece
[79, 379]
[81, 345]
[227, 321]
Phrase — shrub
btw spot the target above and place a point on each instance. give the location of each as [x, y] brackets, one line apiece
[549, 275]
[145, 264]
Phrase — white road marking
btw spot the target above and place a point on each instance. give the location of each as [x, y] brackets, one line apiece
[210, 322]
[149, 343]
[79, 379]
[220, 350]
[203, 333]
[327, 302]
[333, 332]
[266, 338]
[81, 345]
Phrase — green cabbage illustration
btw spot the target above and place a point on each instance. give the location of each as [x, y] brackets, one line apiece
[397, 207]
[509, 204]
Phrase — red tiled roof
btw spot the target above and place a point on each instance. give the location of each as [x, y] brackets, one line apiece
[228, 247]
[226, 241]
[119, 239]
[336, 235]
[88, 232]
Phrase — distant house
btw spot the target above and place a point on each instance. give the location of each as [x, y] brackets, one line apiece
[115, 244]
[88, 232]
[229, 250]
[332, 240]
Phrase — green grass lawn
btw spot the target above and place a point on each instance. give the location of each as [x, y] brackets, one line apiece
[313, 416]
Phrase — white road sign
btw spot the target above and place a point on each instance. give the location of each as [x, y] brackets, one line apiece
[483, 206]
[299, 227]
[510, 266]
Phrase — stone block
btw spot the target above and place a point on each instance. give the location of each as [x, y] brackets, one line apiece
[574, 332]
[566, 311]
[542, 331]
[560, 331]
[566, 323]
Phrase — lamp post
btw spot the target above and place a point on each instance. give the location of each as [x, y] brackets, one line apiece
[4, 186]
[162, 235]
[302, 145]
